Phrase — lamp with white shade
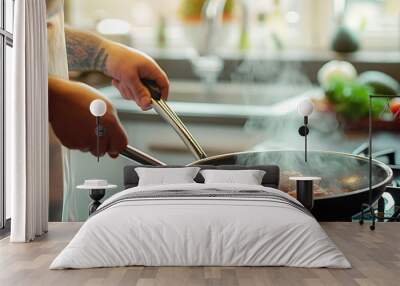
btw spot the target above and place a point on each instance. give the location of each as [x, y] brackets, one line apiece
[305, 108]
[97, 189]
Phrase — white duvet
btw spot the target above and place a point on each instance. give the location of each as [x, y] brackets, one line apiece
[192, 231]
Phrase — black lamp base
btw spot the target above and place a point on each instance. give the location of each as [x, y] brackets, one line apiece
[96, 195]
[304, 193]
[371, 210]
[365, 208]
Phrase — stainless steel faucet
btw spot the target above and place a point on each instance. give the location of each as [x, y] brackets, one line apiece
[212, 17]
[212, 12]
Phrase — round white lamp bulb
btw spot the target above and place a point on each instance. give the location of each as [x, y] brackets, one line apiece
[305, 107]
[98, 107]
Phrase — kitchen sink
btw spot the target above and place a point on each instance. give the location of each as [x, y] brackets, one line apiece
[233, 93]
[225, 93]
[224, 99]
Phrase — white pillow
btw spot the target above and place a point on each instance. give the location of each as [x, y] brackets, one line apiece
[247, 177]
[166, 176]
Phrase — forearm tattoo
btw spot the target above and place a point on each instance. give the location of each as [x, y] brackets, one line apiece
[85, 51]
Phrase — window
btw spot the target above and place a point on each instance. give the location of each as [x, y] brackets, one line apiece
[6, 43]
[377, 22]
[297, 25]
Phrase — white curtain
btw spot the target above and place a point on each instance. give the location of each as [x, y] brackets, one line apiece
[27, 155]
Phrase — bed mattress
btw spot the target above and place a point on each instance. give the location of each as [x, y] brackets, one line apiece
[201, 225]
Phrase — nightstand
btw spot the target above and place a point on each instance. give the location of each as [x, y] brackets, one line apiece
[304, 190]
[97, 190]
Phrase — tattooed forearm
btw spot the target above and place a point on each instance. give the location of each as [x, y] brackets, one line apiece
[85, 51]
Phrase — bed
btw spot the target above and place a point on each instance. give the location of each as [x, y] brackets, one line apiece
[198, 224]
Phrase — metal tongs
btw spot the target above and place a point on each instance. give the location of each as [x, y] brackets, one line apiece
[162, 108]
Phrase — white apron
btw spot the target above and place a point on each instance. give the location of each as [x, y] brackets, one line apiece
[60, 179]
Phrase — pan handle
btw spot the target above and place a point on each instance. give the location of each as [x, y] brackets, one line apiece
[134, 154]
[162, 108]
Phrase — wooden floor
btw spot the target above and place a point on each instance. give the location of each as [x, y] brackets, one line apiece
[375, 257]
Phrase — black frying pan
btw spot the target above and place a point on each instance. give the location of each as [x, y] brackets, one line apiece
[345, 182]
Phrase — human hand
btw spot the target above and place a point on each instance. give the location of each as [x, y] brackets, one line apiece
[75, 126]
[128, 67]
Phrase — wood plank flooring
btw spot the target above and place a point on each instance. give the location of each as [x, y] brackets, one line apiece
[375, 257]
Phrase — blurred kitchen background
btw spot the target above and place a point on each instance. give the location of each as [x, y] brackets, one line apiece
[238, 68]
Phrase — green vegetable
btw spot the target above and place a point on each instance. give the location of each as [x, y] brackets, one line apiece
[351, 99]
[380, 82]
[335, 88]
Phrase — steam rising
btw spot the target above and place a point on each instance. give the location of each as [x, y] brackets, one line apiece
[339, 172]
[287, 81]
[283, 80]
